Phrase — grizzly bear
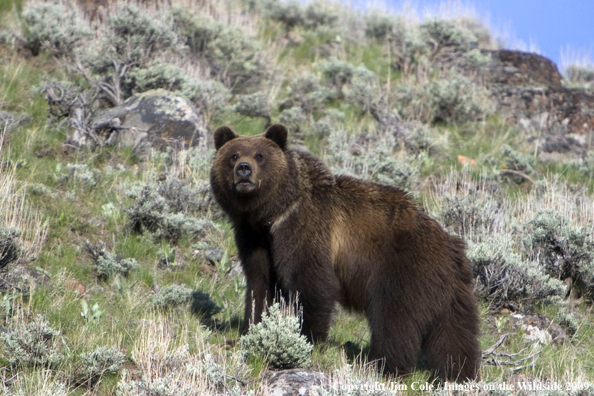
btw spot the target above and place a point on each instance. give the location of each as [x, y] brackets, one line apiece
[301, 229]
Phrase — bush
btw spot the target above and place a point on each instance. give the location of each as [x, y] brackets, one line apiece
[377, 162]
[586, 165]
[504, 279]
[161, 210]
[562, 250]
[135, 37]
[277, 340]
[126, 55]
[364, 91]
[338, 73]
[154, 75]
[408, 46]
[169, 385]
[517, 161]
[289, 13]
[468, 215]
[35, 344]
[108, 264]
[178, 194]
[568, 321]
[254, 105]
[580, 75]
[80, 173]
[445, 34]
[320, 14]
[209, 96]
[232, 56]
[10, 249]
[293, 118]
[307, 92]
[379, 24]
[455, 99]
[54, 28]
[172, 296]
[101, 361]
[178, 295]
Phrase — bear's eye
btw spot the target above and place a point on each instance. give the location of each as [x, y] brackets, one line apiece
[259, 157]
[234, 157]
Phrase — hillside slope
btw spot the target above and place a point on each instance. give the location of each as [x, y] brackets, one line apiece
[119, 273]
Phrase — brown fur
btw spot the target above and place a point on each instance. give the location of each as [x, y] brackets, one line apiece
[300, 229]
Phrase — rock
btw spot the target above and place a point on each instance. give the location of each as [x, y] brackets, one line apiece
[158, 116]
[516, 68]
[213, 254]
[297, 382]
[528, 91]
[539, 328]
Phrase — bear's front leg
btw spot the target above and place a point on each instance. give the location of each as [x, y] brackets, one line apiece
[254, 251]
[260, 286]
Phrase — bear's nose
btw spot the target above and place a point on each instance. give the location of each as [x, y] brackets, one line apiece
[243, 170]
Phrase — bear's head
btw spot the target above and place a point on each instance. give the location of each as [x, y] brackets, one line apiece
[249, 170]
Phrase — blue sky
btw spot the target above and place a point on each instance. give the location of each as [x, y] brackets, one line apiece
[551, 26]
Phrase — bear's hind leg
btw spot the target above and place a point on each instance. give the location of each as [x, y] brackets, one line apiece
[395, 341]
[452, 350]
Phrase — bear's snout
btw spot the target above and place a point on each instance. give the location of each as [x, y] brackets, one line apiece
[243, 170]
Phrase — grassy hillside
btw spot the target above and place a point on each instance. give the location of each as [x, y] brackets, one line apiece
[119, 274]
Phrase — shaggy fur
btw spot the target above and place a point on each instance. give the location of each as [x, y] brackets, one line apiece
[299, 228]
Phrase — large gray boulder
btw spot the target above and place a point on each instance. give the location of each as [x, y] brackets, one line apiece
[158, 117]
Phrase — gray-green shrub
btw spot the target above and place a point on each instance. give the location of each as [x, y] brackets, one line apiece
[289, 13]
[233, 56]
[293, 118]
[53, 27]
[277, 340]
[442, 34]
[379, 24]
[563, 250]
[172, 296]
[453, 99]
[307, 92]
[35, 344]
[568, 321]
[108, 264]
[505, 279]
[337, 73]
[518, 161]
[254, 105]
[378, 161]
[468, 214]
[163, 210]
[100, 362]
[210, 96]
[124, 60]
[180, 295]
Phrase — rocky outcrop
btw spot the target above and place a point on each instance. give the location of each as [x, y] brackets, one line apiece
[158, 117]
[297, 382]
[528, 92]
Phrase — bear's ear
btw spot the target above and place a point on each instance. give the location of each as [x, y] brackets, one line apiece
[278, 134]
[222, 135]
